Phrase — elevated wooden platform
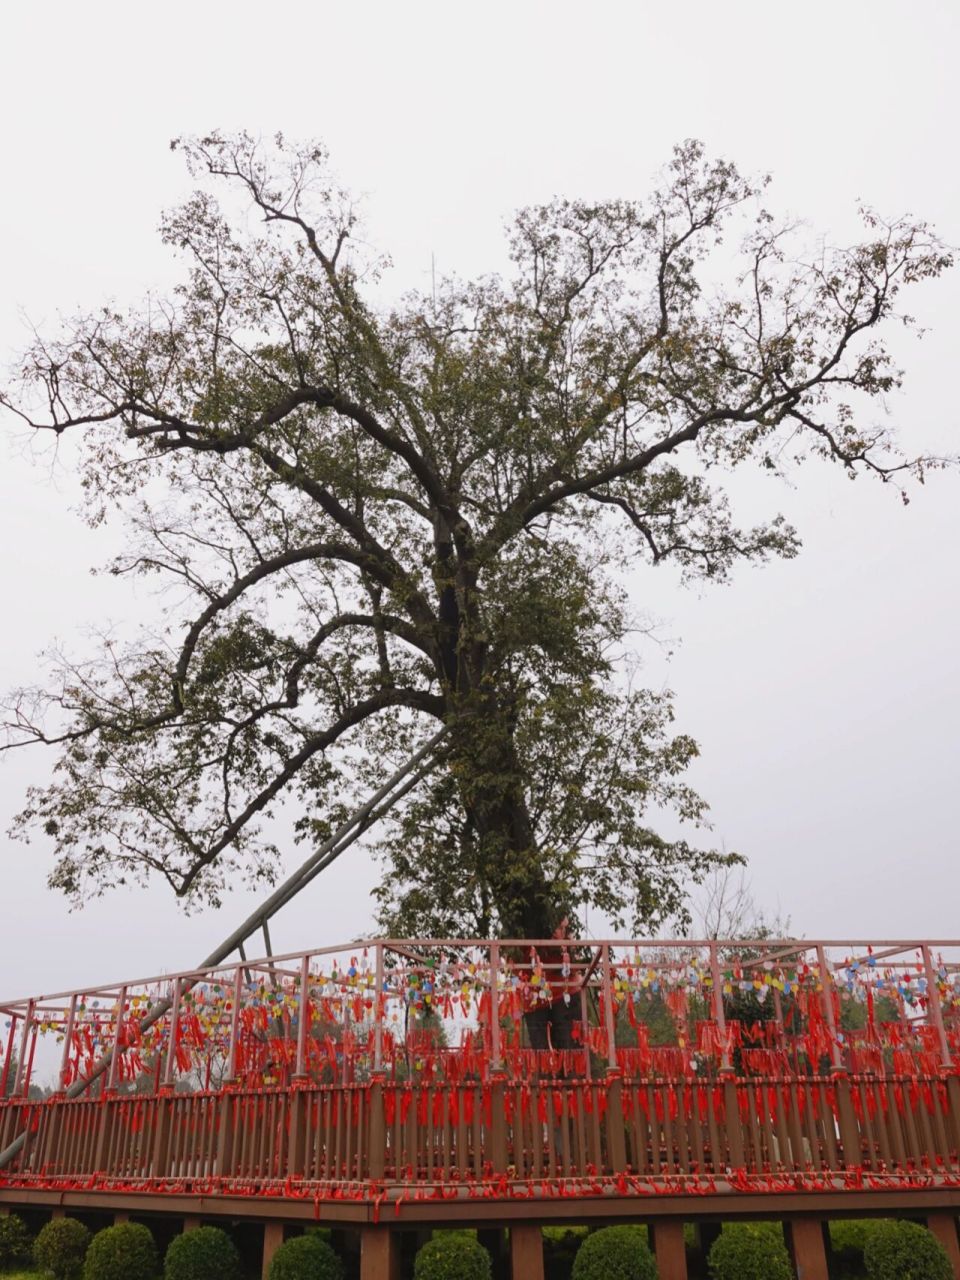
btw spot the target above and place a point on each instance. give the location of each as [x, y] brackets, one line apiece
[408, 1086]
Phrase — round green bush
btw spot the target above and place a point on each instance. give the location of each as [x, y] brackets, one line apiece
[749, 1251]
[14, 1240]
[305, 1258]
[905, 1251]
[60, 1247]
[124, 1252]
[452, 1256]
[847, 1239]
[206, 1253]
[615, 1253]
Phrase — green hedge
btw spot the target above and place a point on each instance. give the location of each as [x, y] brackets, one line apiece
[60, 1248]
[847, 1239]
[615, 1253]
[14, 1240]
[124, 1252]
[206, 1253]
[749, 1251]
[452, 1256]
[305, 1258]
[905, 1251]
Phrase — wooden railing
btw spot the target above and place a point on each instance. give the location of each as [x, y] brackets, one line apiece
[609, 1135]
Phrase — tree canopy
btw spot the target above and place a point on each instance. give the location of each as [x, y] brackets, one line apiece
[375, 516]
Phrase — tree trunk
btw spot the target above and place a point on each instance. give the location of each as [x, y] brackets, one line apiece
[491, 784]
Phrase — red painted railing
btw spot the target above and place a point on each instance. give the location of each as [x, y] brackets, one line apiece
[546, 1138]
[424, 1009]
[410, 1068]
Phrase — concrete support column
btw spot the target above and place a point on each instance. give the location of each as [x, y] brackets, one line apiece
[120, 1216]
[191, 1223]
[805, 1238]
[272, 1240]
[526, 1253]
[944, 1227]
[379, 1254]
[58, 1212]
[669, 1247]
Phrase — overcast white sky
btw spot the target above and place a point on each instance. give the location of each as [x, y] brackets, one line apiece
[825, 692]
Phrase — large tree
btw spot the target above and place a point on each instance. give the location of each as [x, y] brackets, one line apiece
[381, 516]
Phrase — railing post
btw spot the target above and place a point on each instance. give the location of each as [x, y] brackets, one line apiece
[226, 1135]
[67, 1037]
[608, 1018]
[114, 1065]
[947, 1068]
[494, 1007]
[616, 1130]
[826, 990]
[234, 1025]
[933, 1004]
[172, 1042]
[731, 1101]
[24, 1042]
[378, 1128]
[497, 1136]
[584, 1020]
[379, 1009]
[719, 1016]
[8, 1055]
[161, 1135]
[846, 1118]
[304, 1023]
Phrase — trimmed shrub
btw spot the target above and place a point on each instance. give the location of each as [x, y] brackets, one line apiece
[306, 1258]
[206, 1253]
[749, 1251]
[124, 1252]
[560, 1245]
[615, 1253]
[60, 1248]
[847, 1240]
[905, 1251]
[14, 1240]
[452, 1256]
